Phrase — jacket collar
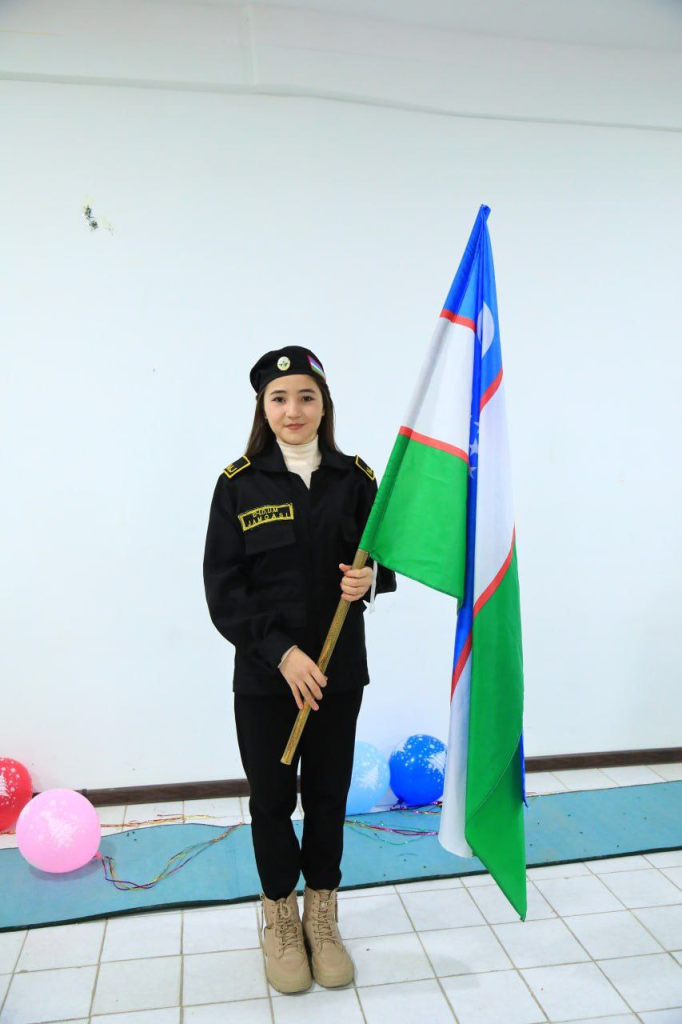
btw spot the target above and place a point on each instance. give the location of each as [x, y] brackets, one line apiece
[271, 458]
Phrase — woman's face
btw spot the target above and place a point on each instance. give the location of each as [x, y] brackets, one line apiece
[293, 407]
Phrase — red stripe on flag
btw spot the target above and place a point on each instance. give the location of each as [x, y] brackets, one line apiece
[490, 391]
[433, 442]
[485, 596]
[455, 318]
[494, 584]
[461, 662]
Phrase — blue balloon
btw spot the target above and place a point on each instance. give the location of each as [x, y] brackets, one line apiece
[418, 770]
[370, 779]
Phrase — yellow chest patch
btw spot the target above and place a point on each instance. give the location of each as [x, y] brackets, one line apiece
[265, 514]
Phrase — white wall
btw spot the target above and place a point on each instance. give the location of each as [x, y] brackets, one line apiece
[243, 221]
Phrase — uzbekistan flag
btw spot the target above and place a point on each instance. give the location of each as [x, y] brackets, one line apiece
[444, 516]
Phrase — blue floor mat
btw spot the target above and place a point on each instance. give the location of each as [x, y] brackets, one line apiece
[560, 827]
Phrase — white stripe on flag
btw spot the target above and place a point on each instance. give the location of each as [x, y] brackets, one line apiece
[451, 832]
[494, 500]
[441, 400]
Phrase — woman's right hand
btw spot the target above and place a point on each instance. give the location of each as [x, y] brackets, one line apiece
[304, 678]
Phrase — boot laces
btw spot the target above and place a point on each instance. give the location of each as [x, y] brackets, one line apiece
[324, 920]
[286, 926]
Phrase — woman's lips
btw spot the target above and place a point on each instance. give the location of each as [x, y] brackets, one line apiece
[294, 426]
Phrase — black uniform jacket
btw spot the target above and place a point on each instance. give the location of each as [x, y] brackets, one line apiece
[271, 564]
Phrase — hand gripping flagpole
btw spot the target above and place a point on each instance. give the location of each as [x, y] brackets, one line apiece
[323, 661]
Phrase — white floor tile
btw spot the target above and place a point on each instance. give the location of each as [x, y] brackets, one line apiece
[143, 935]
[443, 908]
[410, 1001]
[148, 984]
[370, 890]
[665, 858]
[10, 947]
[579, 895]
[643, 888]
[155, 814]
[543, 783]
[607, 865]
[219, 805]
[114, 815]
[500, 996]
[669, 772]
[211, 930]
[646, 982]
[664, 923]
[274, 994]
[221, 811]
[631, 775]
[66, 945]
[251, 1011]
[5, 980]
[432, 884]
[611, 935]
[170, 1015]
[382, 915]
[674, 874]
[576, 779]
[341, 1007]
[618, 1018]
[610, 1019]
[471, 881]
[388, 958]
[540, 943]
[663, 1016]
[497, 909]
[464, 951]
[39, 996]
[557, 870]
[222, 977]
[245, 812]
[574, 990]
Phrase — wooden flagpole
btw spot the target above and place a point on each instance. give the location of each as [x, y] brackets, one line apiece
[323, 661]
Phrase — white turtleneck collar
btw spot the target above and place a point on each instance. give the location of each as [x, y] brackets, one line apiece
[301, 458]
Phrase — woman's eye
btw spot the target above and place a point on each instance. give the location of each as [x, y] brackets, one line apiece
[307, 398]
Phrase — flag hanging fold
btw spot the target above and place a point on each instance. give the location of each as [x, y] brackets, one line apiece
[443, 515]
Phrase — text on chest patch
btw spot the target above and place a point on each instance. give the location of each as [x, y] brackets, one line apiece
[265, 514]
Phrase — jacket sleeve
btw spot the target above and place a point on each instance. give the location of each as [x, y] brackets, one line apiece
[232, 604]
[386, 581]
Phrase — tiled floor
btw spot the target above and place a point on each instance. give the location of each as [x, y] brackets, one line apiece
[602, 942]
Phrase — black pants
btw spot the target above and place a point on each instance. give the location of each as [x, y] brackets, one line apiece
[325, 753]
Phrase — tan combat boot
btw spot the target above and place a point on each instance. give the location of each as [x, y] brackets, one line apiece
[286, 961]
[331, 963]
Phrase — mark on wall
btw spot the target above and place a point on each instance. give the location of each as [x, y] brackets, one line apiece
[95, 222]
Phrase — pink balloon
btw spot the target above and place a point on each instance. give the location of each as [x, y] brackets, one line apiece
[58, 830]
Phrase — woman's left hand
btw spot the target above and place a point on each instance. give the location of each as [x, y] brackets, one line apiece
[355, 582]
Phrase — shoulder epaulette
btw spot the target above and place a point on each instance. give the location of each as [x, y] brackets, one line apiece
[236, 467]
[361, 464]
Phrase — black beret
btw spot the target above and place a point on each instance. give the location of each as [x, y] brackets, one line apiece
[283, 361]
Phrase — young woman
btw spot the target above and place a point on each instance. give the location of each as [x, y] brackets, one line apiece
[285, 522]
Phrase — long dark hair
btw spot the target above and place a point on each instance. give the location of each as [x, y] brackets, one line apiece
[262, 434]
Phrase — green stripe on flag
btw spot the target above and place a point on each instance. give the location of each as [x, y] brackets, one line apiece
[417, 525]
[494, 810]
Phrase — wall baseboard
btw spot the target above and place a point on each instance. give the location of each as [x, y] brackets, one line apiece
[163, 792]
